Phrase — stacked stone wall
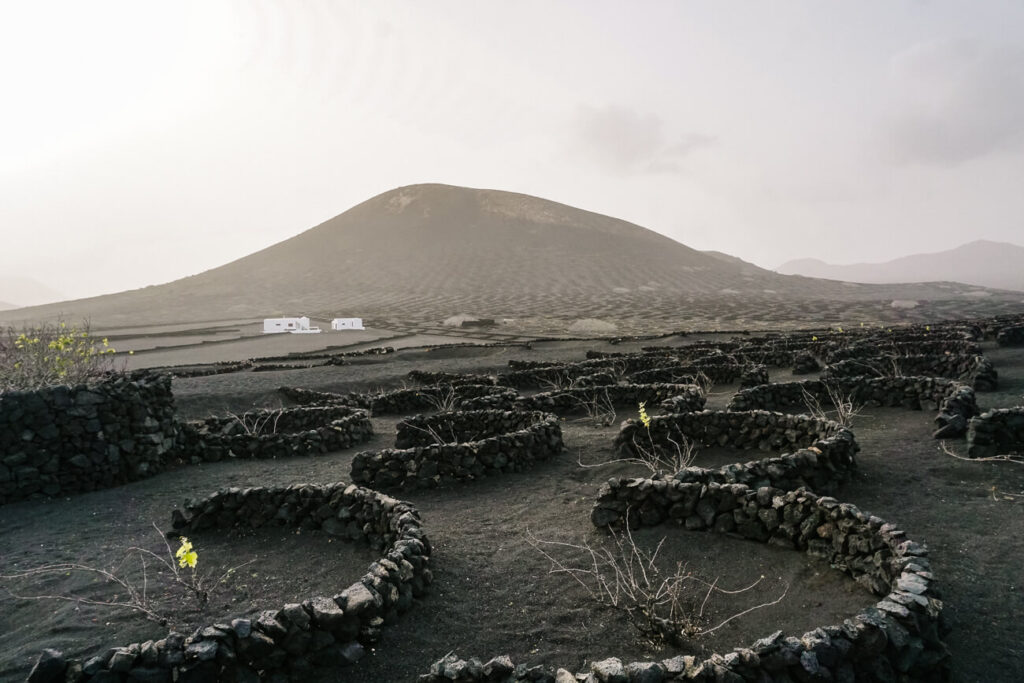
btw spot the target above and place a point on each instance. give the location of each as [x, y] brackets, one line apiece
[577, 399]
[955, 401]
[874, 348]
[62, 440]
[996, 432]
[976, 370]
[287, 643]
[310, 430]
[1012, 335]
[429, 377]
[817, 453]
[400, 401]
[496, 442]
[897, 638]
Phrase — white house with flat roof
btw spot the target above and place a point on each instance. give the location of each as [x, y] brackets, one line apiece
[272, 325]
[347, 324]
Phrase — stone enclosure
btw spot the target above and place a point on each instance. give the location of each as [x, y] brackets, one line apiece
[126, 429]
[459, 446]
[282, 644]
[996, 432]
[71, 439]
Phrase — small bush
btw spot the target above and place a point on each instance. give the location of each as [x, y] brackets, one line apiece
[51, 355]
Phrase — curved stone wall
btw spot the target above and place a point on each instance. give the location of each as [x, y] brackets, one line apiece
[873, 348]
[64, 440]
[1012, 335]
[574, 400]
[399, 401]
[817, 453]
[896, 639]
[716, 369]
[955, 401]
[975, 370]
[287, 642]
[427, 377]
[996, 432]
[483, 443]
[310, 430]
[754, 375]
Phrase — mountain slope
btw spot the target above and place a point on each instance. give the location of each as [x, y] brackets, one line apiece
[26, 291]
[983, 263]
[428, 251]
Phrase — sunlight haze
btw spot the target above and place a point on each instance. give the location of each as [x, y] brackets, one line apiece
[143, 142]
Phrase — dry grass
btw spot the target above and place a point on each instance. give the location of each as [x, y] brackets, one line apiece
[843, 408]
[664, 604]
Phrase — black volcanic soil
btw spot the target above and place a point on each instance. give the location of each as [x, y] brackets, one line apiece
[493, 593]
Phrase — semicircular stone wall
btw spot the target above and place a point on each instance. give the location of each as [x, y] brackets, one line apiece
[286, 643]
[460, 446]
[815, 453]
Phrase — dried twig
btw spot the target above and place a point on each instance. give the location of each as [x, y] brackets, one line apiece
[1009, 457]
[843, 411]
[137, 597]
[665, 605]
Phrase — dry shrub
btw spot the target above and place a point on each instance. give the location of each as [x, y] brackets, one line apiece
[161, 589]
[843, 408]
[665, 604]
[52, 354]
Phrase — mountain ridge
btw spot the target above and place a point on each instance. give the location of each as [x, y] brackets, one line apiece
[982, 263]
[422, 252]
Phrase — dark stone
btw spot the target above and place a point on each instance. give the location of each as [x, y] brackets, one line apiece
[203, 650]
[49, 667]
[242, 627]
[326, 613]
[352, 652]
[359, 600]
[498, 667]
[200, 672]
[150, 674]
[121, 660]
[609, 671]
[645, 672]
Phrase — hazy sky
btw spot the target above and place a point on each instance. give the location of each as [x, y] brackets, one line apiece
[145, 141]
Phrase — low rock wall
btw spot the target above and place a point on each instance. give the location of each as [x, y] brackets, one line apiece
[899, 638]
[578, 399]
[401, 401]
[819, 454]
[975, 370]
[718, 370]
[309, 397]
[996, 432]
[428, 377]
[1012, 335]
[62, 440]
[497, 442]
[288, 643]
[754, 375]
[310, 430]
[499, 400]
[955, 401]
[936, 347]
[207, 370]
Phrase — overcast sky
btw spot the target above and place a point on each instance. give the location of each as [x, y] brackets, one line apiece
[145, 141]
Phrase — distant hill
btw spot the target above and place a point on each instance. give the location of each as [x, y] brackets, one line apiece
[983, 263]
[26, 291]
[4, 306]
[430, 251]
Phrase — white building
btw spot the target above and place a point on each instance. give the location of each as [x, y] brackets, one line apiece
[347, 324]
[271, 325]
